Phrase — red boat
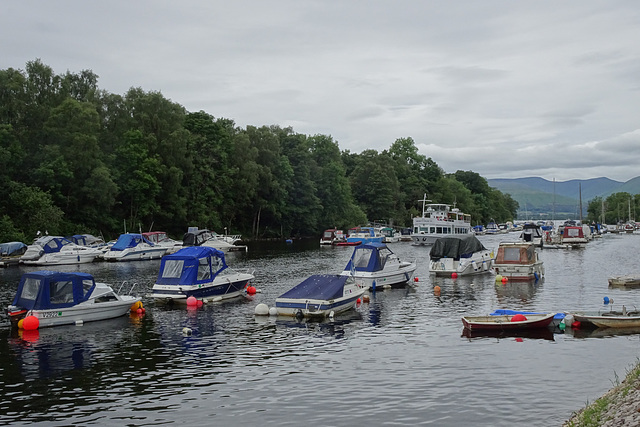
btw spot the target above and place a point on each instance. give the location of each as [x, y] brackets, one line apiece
[348, 243]
[508, 321]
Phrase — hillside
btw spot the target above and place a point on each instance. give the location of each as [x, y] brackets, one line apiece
[541, 198]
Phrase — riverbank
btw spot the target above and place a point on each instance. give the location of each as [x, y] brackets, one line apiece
[620, 406]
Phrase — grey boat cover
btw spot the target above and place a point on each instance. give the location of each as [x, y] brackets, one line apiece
[455, 247]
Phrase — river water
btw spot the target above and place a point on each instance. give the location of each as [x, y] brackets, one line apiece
[401, 359]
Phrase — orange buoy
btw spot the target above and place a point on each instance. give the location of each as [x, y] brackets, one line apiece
[436, 290]
[31, 323]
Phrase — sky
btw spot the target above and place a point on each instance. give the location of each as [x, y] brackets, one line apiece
[507, 89]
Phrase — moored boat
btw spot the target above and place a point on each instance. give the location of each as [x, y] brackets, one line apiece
[507, 321]
[364, 235]
[439, 220]
[320, 295]
[518, 261]
[463, 255]
[532, 233]
[204, 237]
[133, 247]
[11, 252]
[57, 250]
[57, 298]
[609, 319]
[200, 272]
[374, 265]
[160, 238]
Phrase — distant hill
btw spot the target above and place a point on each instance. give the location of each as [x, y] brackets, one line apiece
[541, 198]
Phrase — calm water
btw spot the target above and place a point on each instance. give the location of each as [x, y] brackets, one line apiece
[400, 360]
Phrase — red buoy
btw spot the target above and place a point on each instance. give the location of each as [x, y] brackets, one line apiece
[31, 323]
[192, 301]
[454, 275]
[519, 318]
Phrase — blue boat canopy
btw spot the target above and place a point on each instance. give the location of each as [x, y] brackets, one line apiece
[320, 286]
[369, 257]
[191, 266]
[52, 244]
[12, 248]
[42, 290]
[129, 240]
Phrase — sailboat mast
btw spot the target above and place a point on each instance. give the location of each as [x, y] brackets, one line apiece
[580, 191]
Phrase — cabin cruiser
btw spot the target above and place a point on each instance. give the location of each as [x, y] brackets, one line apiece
[200, 272]
[134, 247]
[204, 237]
[518, 261]
[57, 298]
[462, 255]
[374, 266]
[160, 238]
[532, 233]
[58, 250]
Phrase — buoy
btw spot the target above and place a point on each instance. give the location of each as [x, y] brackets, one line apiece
[358, 301]
[562, 325]
[331, 313]
[139, 311]
[199, 303]
[519, 318]
[415, 279]
[261, 310]
[436, 290]
[606, 300]
[31, 323]
[498, 278]
[79, 322]
[251, 290]
[454, 275]
[187, 332]
[273, 311]
[504, 279]
[365, 298]
[192, 301]
[21, 324]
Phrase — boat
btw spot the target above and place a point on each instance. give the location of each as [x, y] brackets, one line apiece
[518, 261]
[11, 252]
[507, 321]
[133, 247]
[532, 233]
[492, 228]
[328, 237]
[573, 236]
[58, 250]
[630, 280]
[160, 238]
[463, 255]
[557, 317]
[375, 266]
[320, 295]
[389, 235]
[609, 319]
[57, 298]
[204, 237]
[479, 230]
[364, 235]
[200, 272]
[439, 220]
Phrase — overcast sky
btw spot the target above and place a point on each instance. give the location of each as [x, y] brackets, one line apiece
[506, 89]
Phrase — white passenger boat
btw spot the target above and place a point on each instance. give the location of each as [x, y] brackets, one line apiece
[200, 272]
[374, 265]
[518, 261]
[463, 255]
[319, 296]
[56, 298]
[57, 250]
[439, 220]
[134, 247]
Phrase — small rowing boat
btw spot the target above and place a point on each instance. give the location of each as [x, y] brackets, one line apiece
[508, 322]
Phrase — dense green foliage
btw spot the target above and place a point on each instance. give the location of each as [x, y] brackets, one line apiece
[615, 209]
[78, 159]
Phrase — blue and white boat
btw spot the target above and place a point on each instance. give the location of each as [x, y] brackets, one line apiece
[200, 272]
[134, 247]
[57, 250]
[374, 265]
[365, 235]
[320, 295]
[58, 298]
[11, 252]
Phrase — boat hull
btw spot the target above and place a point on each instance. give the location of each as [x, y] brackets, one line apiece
[524, 272]
[504, 322]
[59, 258]
[317, 308]
[146, 254]
[398, 276]
[223, 287]
[83, 312]
[610, 320]
[448, 266]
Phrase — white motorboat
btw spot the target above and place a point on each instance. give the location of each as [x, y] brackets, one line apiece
[200, 272]
[532, 233]
[133, 247]
[439, 220]
[56, 298]
[204, 237]
[364, 235]
[160, 238]
[375, 266]
[463, 255]
[57, 250]
[319, 296]
[518, 261]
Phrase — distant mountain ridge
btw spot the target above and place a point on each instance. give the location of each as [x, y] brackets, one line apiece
[539, 197]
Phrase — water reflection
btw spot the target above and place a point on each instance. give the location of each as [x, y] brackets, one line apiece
[539, 334]
[517, 291]
[602, 332]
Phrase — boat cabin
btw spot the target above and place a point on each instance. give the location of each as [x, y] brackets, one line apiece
[369, 257]
[516, 253]
[43, 290]
[191, 265]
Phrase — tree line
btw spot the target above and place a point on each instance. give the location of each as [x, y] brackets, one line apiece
[77, 159]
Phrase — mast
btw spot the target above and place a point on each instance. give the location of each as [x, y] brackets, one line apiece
[580, 191]
[553, 216]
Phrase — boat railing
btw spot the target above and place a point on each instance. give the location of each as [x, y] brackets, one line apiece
[130, 290]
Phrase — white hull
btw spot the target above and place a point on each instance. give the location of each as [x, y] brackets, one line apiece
[520, 271]
[398, 275]
[478, 263]
[318, 308]
[136, 254]
[223, 287]
[60, 258]
[85, 312]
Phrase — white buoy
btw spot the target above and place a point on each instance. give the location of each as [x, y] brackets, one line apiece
[216, 299]
[386, 286]
[261, 310]
[187, 332]
[331, 314]
[273, 311]
[79, 323]
[205, 301]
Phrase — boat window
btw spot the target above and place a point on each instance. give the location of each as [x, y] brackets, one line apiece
[512, 254]
[361, 258]
[106, 298]
[204, 271]
[573, 232]
[30, 289]
[61, 292]
[172, 268]
[86, 286]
